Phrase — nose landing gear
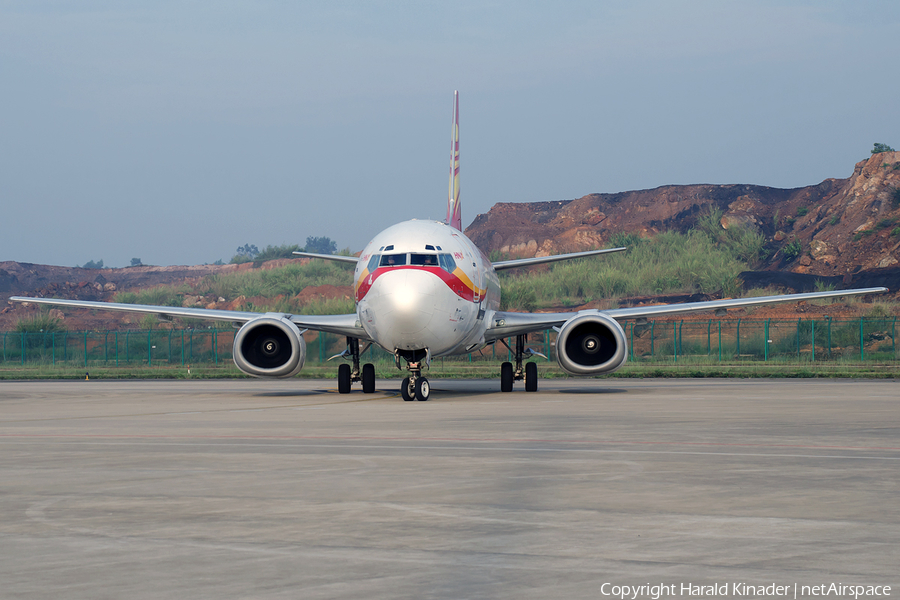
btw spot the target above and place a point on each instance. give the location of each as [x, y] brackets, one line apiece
[414, 387]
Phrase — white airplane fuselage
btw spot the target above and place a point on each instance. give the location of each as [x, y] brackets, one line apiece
[425, 286]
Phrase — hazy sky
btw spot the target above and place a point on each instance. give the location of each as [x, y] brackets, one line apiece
[176, 131]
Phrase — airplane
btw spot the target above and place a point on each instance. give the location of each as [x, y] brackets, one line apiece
[424, 290]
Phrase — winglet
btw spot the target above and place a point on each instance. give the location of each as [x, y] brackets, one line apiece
[454, 214]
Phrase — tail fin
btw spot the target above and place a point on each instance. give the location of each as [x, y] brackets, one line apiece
[454, 214]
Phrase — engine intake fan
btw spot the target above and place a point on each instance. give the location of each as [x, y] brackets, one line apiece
[591, 344]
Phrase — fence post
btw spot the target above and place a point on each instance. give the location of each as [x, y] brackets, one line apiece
[720, 341]
[812, 334]
[862, 354]
[182, 347]
[23, 347]
[149, 349]
[117, 348]
[85, 349]
[708, 338]
[53, 347]
[216, 347]
[893, 338]
[798, 339]
[631, 350]
[738, 337]
[766, 341]
[675, 345]
[829, 335]
[652, 323]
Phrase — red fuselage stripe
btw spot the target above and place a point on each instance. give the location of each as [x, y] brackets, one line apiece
[452, 281]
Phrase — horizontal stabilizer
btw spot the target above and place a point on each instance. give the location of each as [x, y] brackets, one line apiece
[334, 257]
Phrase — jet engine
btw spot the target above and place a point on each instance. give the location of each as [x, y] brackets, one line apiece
[269, 346]
[591, 344]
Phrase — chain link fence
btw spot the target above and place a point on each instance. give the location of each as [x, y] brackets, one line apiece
[752, 340]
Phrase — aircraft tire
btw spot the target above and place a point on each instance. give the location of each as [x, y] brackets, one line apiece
[368, 378]
[423, 389]
[531, 377]
[344, 379]
[506, 377]
[404, 390]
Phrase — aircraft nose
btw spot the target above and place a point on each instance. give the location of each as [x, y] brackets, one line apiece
[399, 308]
[410, 295]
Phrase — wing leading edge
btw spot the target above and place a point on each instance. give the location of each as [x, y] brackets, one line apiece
[505, 324]
[347, 325]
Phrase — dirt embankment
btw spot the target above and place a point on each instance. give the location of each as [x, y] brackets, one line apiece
[843, 226]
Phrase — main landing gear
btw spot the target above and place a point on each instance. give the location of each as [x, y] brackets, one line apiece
[529, 373]
[347, 374]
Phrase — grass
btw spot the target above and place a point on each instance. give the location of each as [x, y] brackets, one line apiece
[697, 368]
[40, 323]
[668, 263]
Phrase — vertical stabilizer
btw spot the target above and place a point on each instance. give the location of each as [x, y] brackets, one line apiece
[454, 215]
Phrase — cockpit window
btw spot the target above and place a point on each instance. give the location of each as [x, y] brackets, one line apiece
[393, 260]
[373, 262]
[447, 262]
[388, 248]
[426, 260]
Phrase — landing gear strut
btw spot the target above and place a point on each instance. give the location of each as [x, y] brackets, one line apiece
[347, 374]
[528, 371]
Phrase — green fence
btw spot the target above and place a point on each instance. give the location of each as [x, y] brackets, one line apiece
[785, 341]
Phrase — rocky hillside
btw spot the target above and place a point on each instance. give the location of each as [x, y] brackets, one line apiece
[837, 227]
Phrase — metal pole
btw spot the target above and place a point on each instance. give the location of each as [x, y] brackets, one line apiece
[766, 342]
[798, 339]
[652, 323]
[708, 337]
[739, 338]
[182, 347]
[85, 348]
[149, 350]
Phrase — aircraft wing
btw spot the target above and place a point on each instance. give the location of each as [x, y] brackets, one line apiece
[538, 260]
[505, 324]
[339, 324]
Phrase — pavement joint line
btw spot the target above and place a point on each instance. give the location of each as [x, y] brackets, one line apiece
[465, 448]
[279, 438]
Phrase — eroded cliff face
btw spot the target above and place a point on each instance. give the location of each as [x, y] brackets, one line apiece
[843, 225]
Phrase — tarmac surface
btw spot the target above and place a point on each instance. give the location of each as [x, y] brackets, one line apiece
[286, 489]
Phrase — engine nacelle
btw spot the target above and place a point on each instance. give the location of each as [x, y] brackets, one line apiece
[269, 346]
[591, 344]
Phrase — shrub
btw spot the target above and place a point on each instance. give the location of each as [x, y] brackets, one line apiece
[878, 148]
[802, 211]
[895, 231]
[792, 250]
[895, 197]
[39, 323]
[834, 219]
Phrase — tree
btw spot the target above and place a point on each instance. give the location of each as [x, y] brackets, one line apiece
[136, 262]
[881, 148]
[320, 245]
[93, 265]
[247, 250]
